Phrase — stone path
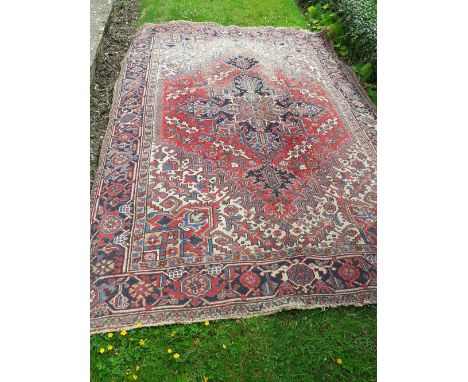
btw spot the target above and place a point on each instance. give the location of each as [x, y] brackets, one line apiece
[100, 11]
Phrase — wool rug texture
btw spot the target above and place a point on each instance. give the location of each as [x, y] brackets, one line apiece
[237, 178]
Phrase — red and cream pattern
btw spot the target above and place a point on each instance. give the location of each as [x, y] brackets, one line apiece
[237, 178]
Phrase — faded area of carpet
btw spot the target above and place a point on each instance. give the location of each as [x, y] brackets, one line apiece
[237, 178]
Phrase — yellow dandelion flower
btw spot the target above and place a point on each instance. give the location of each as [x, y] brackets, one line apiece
[339, 361]
[141, 342]
[102, 350]
[135, 377]
[206, 323]
[139, 325]
[109, 347]
[123, 332]
[224, 346]
[176, 355]
[169, 351]
[110, 335]
[205, 379]
[137, 367]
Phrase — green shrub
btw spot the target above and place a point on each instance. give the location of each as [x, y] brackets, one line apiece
[359, 18]
[352, 25]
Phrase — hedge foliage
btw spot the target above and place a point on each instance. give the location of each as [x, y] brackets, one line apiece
[359, 18]
[352, 26]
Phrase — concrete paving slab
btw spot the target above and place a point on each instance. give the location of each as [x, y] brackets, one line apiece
[100, 11]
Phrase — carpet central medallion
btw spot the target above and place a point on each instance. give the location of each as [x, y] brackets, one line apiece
[267, 132]
[237, 179]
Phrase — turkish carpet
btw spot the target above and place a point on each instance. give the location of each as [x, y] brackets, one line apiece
[237, 178]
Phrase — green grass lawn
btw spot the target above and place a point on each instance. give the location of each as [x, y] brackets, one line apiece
[290, 346]
[226, 12]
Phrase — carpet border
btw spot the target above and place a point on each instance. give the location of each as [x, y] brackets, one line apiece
[108, 134]
[140, 322]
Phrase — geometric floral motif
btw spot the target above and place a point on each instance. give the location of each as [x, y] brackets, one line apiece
[237, 179]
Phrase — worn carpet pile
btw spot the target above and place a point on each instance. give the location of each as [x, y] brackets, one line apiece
[237, 178]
